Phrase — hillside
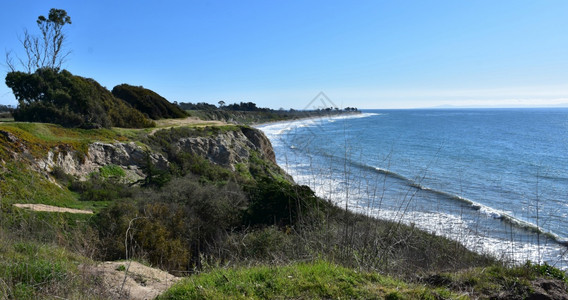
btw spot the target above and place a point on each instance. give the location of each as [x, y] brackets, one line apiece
[206, 199]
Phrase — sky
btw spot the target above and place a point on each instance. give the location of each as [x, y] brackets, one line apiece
[282, 54]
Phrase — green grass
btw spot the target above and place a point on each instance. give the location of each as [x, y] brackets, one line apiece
[132, 133]
[31, 270]
[19, 184]
[39, 138]
[324, 280]
[111, 170]
[57, 133]
[318, 280]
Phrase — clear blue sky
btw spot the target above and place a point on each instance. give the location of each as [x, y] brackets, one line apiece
[368, 54]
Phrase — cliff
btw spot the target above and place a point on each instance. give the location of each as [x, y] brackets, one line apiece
[226, 148]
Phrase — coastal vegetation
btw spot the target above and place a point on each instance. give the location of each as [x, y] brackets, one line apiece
[148, 102]
[6, 113]
[248, 113]
[325, 280]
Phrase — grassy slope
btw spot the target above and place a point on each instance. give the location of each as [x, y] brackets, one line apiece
[45, 254]
[33, 270]
[20, 184]
[316, 280]
[324, 280]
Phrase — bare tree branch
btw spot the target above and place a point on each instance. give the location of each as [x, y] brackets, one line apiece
[10, 61]
[46, 50]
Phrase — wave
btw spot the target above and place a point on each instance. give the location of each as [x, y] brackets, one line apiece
[277, 128]
[481, 208]
[554, 178]
[356, 116]
[484, 209]
[457, 229]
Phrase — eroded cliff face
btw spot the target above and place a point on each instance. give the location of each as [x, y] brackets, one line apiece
[229, 148]
[226, 149]
[131, 157]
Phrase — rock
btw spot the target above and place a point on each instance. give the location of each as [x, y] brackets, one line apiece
[261, 142]
[229, 148]
[8, 136]
[131, 157]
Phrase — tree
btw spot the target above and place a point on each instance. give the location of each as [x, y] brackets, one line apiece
[47, 50]
[60, 97]
[221, 104]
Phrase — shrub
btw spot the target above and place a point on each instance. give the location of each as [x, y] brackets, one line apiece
[148, 102]
[175, 227]
[268, 244]
[547, 270]
[100, 188]
[278, 202]
[112, 171]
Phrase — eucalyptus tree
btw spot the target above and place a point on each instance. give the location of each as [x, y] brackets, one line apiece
[46, 50]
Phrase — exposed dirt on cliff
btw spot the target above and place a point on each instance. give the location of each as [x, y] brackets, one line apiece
[50, 208]
[140, 282]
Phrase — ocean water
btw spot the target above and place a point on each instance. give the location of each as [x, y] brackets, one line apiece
[494, 179]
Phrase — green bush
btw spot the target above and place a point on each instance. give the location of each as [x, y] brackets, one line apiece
[547, 270]
[148, 102]
[100, 188]
[112, 171]
[174, 227]
[278, 202]
[268, 244]
[61, 176]
[184, 163]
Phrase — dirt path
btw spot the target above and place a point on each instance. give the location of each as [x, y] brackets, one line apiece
[142, 282]
[167, 123]
[50, 208]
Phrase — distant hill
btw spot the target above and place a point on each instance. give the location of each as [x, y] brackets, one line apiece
[148, 102]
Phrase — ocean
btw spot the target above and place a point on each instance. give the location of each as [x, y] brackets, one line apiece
[494, 179]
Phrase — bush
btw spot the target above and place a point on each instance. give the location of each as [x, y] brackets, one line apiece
[101, 188]
[278, 202]
[175, 227]
[112, 171]
[148, 102]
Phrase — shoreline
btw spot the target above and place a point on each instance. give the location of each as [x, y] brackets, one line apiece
[484, 244]
[255, 125]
